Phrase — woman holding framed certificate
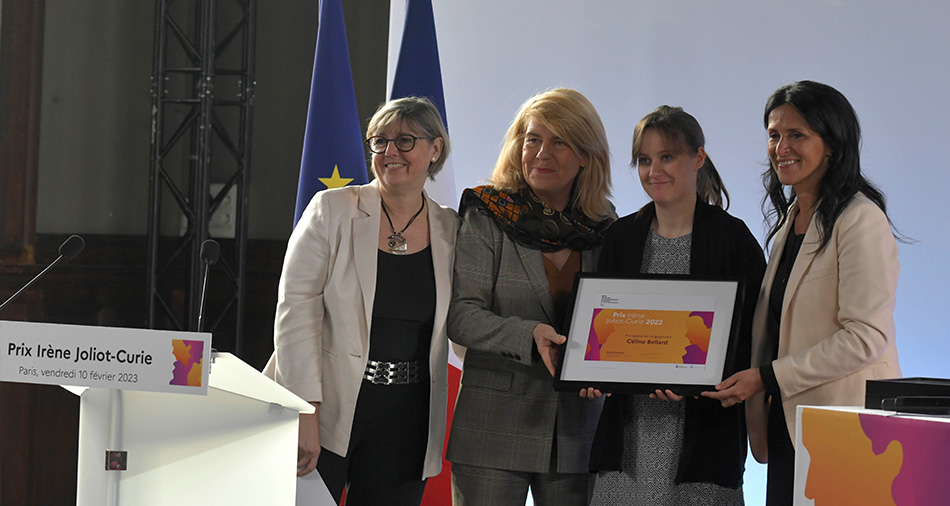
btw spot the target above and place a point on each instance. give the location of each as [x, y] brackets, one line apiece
[824, 324]
[648, 450]
[523, 237]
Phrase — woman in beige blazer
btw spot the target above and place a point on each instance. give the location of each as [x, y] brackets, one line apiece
[360, 329]
[824, 323]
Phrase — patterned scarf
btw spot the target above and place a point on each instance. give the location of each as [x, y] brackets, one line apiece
[529, 222]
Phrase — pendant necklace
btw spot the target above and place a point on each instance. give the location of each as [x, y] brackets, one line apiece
[397, 243]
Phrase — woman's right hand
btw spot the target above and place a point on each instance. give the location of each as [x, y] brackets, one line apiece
[738, 387]
[308, 441]
[547, 340]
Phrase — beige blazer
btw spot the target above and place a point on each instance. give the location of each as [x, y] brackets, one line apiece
[325, 306]
[837, 324]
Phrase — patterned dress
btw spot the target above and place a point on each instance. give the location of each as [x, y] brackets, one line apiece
[653, 428]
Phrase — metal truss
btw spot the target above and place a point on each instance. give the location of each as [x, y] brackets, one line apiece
[202, 93]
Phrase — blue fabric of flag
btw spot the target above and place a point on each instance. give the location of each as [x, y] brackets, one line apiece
[418, 71]
[333, 139]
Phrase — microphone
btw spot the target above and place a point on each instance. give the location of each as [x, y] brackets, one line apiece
[69, 249]
[210, 250]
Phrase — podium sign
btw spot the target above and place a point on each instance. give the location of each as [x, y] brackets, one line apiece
[105, 357]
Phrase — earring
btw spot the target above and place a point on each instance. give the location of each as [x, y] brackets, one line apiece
[434, 159]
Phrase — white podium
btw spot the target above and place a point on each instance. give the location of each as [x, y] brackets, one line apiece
[237, 445]
[143, 394]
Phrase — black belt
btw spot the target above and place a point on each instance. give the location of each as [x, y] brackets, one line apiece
[392, 373]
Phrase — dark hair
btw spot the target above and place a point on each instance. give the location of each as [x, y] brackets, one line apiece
[679, 128]
[831, 116]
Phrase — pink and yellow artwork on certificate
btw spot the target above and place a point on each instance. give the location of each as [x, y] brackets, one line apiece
[649, 336]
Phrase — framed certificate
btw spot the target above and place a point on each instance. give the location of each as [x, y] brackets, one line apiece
[638, 335]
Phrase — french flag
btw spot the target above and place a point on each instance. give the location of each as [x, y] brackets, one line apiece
[418, 73]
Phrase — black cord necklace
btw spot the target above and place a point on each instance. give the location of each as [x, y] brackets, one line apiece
[397, 243]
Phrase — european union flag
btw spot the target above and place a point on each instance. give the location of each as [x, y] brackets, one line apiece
[333, 143]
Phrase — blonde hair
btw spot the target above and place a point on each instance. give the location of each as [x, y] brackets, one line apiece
[420, 113]
[570, 116]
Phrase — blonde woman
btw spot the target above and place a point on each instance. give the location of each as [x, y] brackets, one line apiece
[523, 237]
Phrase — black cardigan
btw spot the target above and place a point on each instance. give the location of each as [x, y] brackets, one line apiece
[714, 444]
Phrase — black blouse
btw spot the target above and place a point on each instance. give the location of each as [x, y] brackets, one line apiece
[404, 307]
[792, 246]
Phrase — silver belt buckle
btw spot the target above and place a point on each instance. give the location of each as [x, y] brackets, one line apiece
[380, 373]
[389, 373]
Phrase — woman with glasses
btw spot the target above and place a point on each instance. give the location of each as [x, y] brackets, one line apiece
[361, 317]
[523, 237]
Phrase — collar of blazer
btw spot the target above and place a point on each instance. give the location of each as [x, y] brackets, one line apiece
[365, 238]
[534, 268]
[442, 228]
[802, 262]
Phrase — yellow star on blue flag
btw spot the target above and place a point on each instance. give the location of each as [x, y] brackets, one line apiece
[333, 137]
[335, 181]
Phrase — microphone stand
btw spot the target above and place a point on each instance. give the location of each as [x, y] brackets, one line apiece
[69, 249]
[209, 256]
[210, 250]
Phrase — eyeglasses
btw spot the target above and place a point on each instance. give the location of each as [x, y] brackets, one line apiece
[405, 143]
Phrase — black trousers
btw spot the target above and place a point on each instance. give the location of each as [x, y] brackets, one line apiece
[781, 471]
[386, 454]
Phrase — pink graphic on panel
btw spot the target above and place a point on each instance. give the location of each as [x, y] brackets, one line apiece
[188, 362]
[923, 474]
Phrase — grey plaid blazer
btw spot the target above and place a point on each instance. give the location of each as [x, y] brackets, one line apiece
[507, 409]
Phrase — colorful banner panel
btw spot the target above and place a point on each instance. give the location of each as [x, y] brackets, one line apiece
[105, 357]
[872, 458]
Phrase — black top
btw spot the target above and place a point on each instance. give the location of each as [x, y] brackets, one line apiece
[792, 246]
[404, 307]
[714, 439]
